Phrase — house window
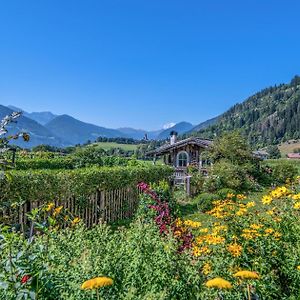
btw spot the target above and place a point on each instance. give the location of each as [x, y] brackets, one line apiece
[182, 159]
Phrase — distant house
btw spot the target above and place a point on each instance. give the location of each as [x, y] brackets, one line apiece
[293, 155]
[183, 153]
[261, 154]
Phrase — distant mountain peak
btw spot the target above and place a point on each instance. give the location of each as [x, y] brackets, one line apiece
[42, 117]
[180, 128]
[169, 125]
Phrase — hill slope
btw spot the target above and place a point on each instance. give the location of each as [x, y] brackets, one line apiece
[38, 133]
[205, 124]
[78, 132]
[268, 117]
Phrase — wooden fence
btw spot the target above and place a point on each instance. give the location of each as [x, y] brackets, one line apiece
[102, 206]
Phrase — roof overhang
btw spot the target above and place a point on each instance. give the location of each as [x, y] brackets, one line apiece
[203, 143]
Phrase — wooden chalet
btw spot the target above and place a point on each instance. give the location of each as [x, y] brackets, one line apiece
[183, 153]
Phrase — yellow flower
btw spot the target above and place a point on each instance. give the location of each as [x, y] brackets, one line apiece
[218, 283]
[250, 204]
[246, 275]
[57, 210]
[296, 197]
[75, 221]
[230, 195]
[196, 251]
[49, 206]
[297, 205]
[256, 226]
[235, 249]
[96, 283]
[241, 197]
[178, 222]
[206, 268]
[298, 268]
[241, 211]
[267, 199]
[269, 231]
[192, 224]
[277, 235]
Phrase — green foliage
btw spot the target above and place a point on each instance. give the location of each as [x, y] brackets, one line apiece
[283, 171]
[45, 163]
[273, 151]
[47, 185]
[234, 165]
[74, 162]
[222, 193]
[141, 263]
[232, 147]
[204, 201]
[229, 175]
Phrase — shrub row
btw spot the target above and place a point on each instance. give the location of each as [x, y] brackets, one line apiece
[69, 163]
[47, 185]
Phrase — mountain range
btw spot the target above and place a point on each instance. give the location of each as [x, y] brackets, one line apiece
[64, 130]
[268, 117]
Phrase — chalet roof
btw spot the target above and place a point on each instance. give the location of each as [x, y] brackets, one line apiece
[204, 143]
[294, 155]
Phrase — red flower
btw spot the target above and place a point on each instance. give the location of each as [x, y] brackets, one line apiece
[25, 278]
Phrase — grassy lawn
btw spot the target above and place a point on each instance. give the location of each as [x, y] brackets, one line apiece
[110, 145]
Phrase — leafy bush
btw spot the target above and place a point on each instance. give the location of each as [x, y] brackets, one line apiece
[222, 193]
[284, 170]
[197, 181]
[204, 201]
[231, 176]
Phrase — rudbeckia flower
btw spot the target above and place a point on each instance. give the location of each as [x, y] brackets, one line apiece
[96, 283]
[218, 283]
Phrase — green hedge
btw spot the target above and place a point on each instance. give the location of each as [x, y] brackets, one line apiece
[45, 163]
[69, 163]
[47, 185]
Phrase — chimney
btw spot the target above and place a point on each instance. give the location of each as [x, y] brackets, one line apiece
[173, 137]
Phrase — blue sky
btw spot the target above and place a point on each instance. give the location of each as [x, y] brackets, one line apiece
[144, 63]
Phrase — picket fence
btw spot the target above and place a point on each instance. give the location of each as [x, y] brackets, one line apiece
[102, 206]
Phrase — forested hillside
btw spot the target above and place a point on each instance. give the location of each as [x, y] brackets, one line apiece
[268, 117]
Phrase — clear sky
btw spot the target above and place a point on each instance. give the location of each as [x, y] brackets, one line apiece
[144, 63]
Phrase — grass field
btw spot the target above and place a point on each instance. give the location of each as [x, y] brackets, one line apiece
[110, 145]
[288, 147]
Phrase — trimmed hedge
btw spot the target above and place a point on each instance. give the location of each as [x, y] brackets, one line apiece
[45, 163]
[47, 185]
[69, 163]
